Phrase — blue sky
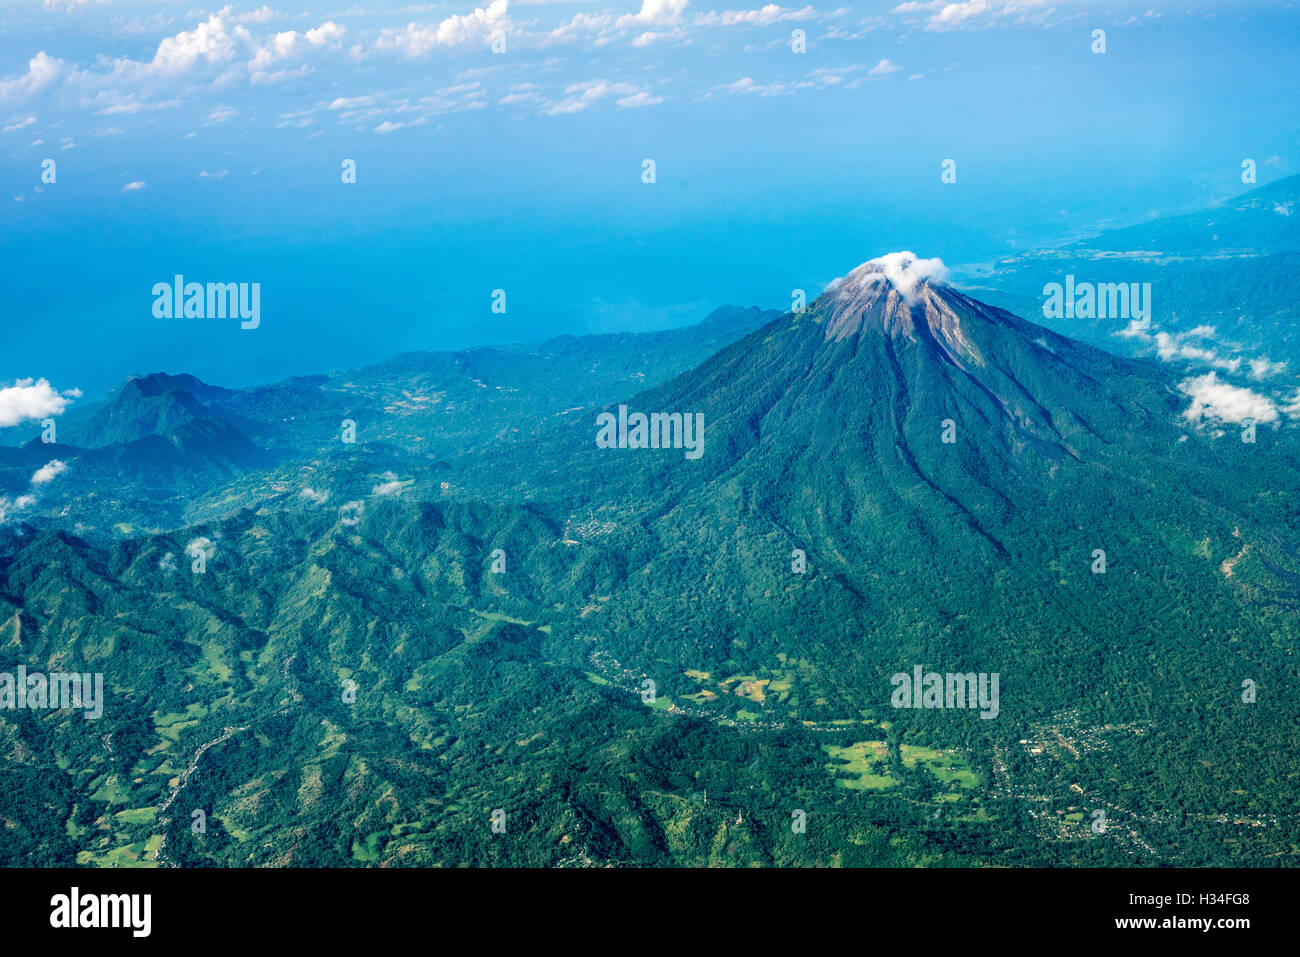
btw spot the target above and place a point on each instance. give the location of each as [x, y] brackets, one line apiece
[208, 142]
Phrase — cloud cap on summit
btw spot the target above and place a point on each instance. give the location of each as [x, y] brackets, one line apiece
[904, 270]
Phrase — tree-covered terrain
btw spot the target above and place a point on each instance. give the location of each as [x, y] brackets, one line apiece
[484, 640]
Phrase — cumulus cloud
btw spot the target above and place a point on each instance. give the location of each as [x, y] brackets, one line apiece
[390, 484]
[134, 186]
[213, 54]
[1136, 329]
[29, 399]
[314, 496]
[262, 14]
[654, 13]
[479, 26]
[289, 44]
[49, 472]
[219, 51]
[955, 14]
[1213, 400]
[884, 68]
[21, 503]
[1171, 347]
[210, 43]
[350, 512]
[42, 71]
[1264, 368]
[1194, 345]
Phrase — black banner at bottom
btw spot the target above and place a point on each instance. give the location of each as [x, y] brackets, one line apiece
[337, 907]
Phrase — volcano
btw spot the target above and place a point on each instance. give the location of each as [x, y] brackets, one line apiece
[963, 485]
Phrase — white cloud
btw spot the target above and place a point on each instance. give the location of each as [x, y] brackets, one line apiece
[19, 124]
[17, 505]
[903, 270]
[134, 186]
[263, 14]
[290, 43]
[389, 126]
[580, 96]
[1136, 329]
[29, 399]
[215, 53]
[655, 13]
[955, 14]
[350, 512]
[49, 472]
[314, 496]
[747, 85]
[884, 68]
[390, 485]
[1177, 346]
[209, 43]
[939, 15]
[349, 103]
[479, 26]
[42, 71]
[1219, 401]
[764, 16]
[639, 99]
[1263, 368]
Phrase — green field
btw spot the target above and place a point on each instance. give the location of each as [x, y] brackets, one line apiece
[863, 766]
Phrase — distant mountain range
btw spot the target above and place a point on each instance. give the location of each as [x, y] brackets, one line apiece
[511, 600]
[1223, 286]
[160, 443]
